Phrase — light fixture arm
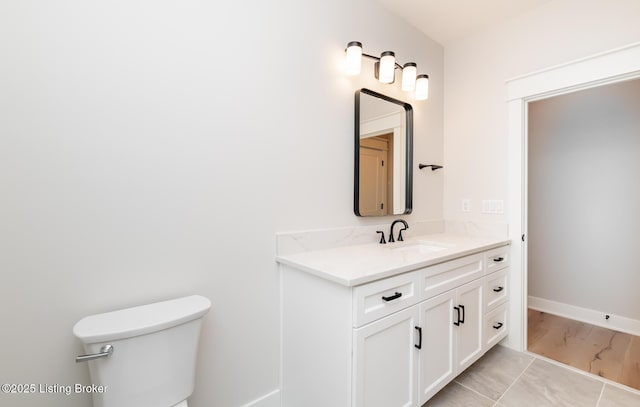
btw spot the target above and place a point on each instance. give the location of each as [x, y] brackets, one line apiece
[397, 65]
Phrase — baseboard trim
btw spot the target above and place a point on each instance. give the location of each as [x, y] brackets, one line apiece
[268, 400]
[593, 317]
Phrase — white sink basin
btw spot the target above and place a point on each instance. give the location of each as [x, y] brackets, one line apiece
[420, 246]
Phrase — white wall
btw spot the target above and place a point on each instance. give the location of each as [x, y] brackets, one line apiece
[152, 149]
[476, 69]
[583, 199]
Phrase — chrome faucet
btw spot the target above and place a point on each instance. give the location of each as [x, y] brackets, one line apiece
[400, 239]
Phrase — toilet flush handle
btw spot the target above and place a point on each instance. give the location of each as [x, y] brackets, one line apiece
[105, 351]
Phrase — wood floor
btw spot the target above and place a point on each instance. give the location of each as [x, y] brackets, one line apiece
[609, 354]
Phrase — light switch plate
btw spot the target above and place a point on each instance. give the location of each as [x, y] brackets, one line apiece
[493, 206]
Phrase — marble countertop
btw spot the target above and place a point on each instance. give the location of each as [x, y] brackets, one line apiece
[360, 264]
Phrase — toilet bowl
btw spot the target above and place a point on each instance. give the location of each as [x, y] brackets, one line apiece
[143, 356]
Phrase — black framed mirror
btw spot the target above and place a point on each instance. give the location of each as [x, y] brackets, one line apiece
[383, 180]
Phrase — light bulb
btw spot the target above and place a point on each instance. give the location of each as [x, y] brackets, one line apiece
[409, 71]
[387, 67]
[422, 87]
[353, 58]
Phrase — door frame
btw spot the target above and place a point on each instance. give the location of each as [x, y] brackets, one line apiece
[617, 65]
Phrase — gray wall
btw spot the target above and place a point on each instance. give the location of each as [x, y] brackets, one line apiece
[152, 149]
[584, 197]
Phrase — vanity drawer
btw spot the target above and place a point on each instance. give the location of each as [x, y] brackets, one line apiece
[384, 297]
[497, 259]
[495, 326]
[443, 277]
[496, 289]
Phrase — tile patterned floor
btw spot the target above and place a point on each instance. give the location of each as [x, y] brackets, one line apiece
[506, 378]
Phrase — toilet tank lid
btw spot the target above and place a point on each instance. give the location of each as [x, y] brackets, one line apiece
[141, 320]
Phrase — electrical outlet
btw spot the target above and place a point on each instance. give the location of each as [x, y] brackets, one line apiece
[466, 205]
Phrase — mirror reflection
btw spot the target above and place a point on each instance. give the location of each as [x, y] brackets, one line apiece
[383, 155]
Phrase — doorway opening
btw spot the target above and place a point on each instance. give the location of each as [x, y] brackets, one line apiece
[614, 66]
[583, 195]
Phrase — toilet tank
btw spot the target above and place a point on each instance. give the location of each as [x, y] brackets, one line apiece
[155, 346]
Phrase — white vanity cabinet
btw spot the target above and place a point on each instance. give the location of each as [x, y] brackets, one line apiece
[393, 342]
[452, 325]
[385, 361]
[438, 354]
[430, 342]
[496, 295]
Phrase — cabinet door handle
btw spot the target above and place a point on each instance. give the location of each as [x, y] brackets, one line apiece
[393, 297]
[499, 259]
[498, 325]
[462, 320]
[498, 289]
[457, 323]
[419, 345]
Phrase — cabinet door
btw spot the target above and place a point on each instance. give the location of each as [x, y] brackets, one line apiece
[437, 356]
[469, 331]
[385, 361]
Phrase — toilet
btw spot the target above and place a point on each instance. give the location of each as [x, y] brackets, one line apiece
[143, 356]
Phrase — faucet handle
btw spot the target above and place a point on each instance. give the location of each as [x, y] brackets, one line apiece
[382, 241]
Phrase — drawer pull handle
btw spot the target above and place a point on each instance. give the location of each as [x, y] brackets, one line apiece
[498, 289]
[419, 345]
[462, 308]
[499, 259]
[457, 323]
[498, 325]
[393, 297]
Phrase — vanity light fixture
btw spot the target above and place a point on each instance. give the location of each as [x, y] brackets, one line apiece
[409, 71]
[353, 58]
[385, 68]
[422, 87]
